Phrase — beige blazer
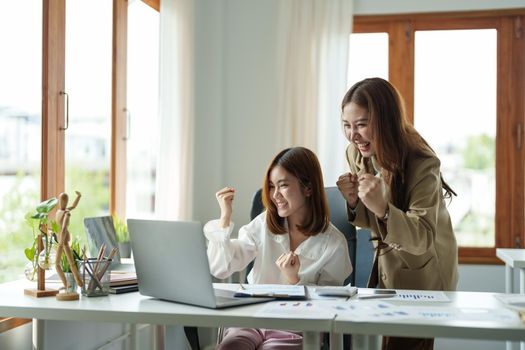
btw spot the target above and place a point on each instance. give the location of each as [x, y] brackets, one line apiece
[422, 251]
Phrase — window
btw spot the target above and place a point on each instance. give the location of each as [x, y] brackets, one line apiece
[88, 85]
[34, 150]
[462, 78]
[20, 129]
[455, 111]
[143, 92]
[34, 156]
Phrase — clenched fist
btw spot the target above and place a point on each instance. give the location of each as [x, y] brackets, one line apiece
[225, 199]
[289, 265]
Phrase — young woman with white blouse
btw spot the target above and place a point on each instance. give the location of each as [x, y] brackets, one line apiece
[291, 242]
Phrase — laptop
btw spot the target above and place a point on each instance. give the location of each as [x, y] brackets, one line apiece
[172, 264]
[100, 230]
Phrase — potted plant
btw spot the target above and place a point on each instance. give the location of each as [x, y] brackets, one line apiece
[66, 268]
[122, 234]
[46, 229]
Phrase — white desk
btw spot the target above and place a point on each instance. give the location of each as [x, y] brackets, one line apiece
[365, 333]
[513, 259]
[133, 308]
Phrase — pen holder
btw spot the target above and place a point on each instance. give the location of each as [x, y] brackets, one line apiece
[96, 276]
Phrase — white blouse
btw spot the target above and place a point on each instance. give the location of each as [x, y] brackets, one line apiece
[324, 257]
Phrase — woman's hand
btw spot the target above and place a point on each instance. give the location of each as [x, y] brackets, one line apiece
[289, 265]
[225, 199]
[347, 185]
[371, 191]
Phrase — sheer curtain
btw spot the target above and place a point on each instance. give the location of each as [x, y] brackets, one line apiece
[173, 196]
[312, 54]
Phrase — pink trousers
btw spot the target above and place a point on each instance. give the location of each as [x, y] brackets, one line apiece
[260, 339]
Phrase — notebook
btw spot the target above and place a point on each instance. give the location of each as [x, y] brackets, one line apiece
[100, 230]
[172, 264]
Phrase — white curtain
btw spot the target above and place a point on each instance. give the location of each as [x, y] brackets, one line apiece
[314, 37]
[173, 194]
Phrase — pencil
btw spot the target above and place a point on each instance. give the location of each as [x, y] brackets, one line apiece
[100, 274]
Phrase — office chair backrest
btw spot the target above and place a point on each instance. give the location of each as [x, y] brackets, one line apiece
[360, 248]
[364, 259]
[339, 217]
[257, 205]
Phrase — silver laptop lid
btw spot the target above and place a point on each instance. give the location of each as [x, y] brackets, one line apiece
[171, 261]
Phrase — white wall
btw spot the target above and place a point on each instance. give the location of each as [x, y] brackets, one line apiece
[236, 101]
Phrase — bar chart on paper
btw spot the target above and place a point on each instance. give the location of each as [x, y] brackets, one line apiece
[413, 295]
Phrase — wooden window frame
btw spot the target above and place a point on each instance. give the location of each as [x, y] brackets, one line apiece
[53, 117]
[154, 4]
[510, 154]
[53, 110]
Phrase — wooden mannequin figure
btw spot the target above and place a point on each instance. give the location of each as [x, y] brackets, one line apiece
[63, 215]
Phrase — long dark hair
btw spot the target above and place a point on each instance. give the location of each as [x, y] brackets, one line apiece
[395, 139]
[304, 165]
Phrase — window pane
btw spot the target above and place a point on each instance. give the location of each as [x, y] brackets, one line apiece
[20, 129]
[88, 83]
[455, 111]
[143, 92]
[368, 56]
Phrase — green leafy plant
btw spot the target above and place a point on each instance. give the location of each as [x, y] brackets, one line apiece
[121, 229]
[40, 223]
[75, 250]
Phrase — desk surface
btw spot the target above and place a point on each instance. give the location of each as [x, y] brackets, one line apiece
[514, 258]
[455, 328]
[135, 308]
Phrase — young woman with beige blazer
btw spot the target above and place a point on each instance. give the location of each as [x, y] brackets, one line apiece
[395, 189]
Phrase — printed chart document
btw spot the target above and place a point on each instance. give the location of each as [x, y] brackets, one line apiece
[279, 291]
[373, 310]
[403, 294]
[420, 295]
[312, 309]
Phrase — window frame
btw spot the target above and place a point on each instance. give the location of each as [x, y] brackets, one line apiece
[53, 103]
[510, 154]
[53, 110]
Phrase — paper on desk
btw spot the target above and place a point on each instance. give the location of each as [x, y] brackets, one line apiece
[514, 301]
[419, 295]
[312, 309]
[373, 310]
